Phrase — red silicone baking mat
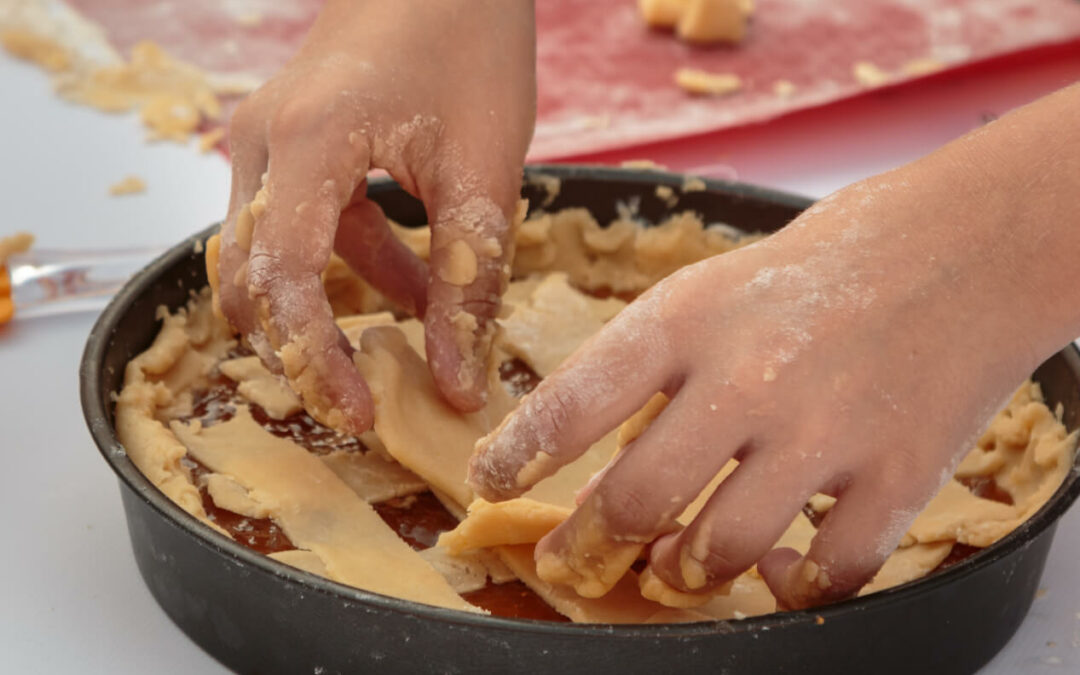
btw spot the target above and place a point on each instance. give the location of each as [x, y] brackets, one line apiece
[605, 81]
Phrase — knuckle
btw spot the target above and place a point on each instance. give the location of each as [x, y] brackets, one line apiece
[628, 510]
[297, 116]
[722, 561]
[483, 307]
[264, 272]
[554, 410]
[246, 117]
[231, 304]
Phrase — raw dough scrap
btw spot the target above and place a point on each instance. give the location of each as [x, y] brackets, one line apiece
[622, 604]
[624, 257]
[184, 352]
[316, 510]
[304, 560]
[1026, 449]
[1027, 452]
[258, 385]
[515, 521]
[28, 46]
[955, 514]
[172, 96]
[20, 242]
[465, 573]
[232, 496]
[704, 82]
[656, 589]
[572, 241]
[404, 392]
[553, 322]
[700, 21]
[561, 488]
[373, 477]
[128, 186]
[908, 564]
[869, 75]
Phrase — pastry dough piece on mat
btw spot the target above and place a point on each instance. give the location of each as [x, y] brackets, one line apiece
[317, 511]
[699, 21]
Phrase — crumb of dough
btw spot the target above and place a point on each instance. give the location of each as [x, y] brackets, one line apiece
[700, 21]
[923, 66]
[666, 194]
[596, 121]
[172, 96]
[784, 88]
[693, 184]
[209, 140]
[712, 21]
[869, 75]
[646, 164]
[662, 13]
[128, 186]
[656, 589]
[705, 83]
[37, 49]
[550, 184]
[249, 19]
[20, 242]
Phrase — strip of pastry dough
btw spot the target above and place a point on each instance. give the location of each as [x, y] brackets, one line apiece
[316, 510]
[155, 382]
[515, 521]
[553, 322]
[622, 604]
[258, 385]
[416, 425]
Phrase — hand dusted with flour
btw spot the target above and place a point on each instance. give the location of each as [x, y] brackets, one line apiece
[443, 98]
[857, 353]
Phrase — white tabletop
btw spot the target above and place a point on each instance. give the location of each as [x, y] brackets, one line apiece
[73, 600]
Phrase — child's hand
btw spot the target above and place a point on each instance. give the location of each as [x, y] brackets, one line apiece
[440, 95]
[859, 353]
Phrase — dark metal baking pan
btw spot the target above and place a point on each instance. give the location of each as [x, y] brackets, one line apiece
[256, 615]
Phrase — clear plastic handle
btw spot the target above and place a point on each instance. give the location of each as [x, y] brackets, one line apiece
[46, 282]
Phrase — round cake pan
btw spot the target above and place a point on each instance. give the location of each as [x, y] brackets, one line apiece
[259, 616]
